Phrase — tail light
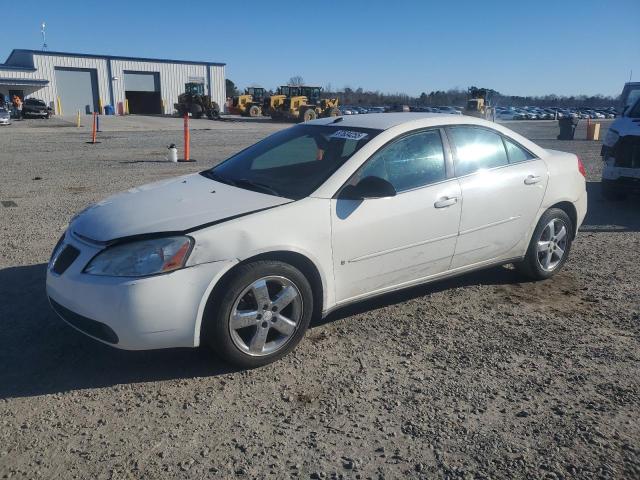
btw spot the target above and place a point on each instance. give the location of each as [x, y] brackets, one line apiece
[581, 168]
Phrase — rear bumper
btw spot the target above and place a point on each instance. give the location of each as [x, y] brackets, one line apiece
[581, 209]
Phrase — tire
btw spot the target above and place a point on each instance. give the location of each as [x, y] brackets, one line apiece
[196, 110]
[259, 335]
[254, 111]
[541, 264]
[308, 115]
[609, 192]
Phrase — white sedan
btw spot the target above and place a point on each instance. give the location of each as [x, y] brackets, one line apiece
[241, 256]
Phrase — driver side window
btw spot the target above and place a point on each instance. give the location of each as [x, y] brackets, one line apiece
[411, 162]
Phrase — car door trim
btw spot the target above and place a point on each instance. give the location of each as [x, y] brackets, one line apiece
[398, 249]
[489, 225]
[447, 274]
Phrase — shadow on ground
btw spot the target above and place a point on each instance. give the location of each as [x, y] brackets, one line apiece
[610, 216]
[40, 354]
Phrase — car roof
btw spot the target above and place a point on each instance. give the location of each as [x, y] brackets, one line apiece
[385, 121]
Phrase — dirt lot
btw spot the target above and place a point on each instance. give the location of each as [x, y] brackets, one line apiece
[477, 377]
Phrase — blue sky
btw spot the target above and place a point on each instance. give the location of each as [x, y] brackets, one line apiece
[516, 47]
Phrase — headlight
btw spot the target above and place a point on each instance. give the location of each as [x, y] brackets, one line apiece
[611, 138]
[142, 258]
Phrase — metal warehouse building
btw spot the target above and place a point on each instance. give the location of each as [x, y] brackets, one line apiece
[71, 82]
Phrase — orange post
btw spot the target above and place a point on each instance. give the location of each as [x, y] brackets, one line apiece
[187, 138]
[94, 128]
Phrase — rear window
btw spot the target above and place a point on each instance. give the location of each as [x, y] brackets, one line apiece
[477, 149]
[516, 153]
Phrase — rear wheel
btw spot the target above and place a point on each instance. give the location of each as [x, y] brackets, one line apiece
[549, 246]
[260, 314]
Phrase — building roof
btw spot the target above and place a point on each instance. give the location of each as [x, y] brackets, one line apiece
[19, 51]
[27, 82]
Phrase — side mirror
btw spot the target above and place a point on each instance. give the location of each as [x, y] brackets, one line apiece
[369, 187]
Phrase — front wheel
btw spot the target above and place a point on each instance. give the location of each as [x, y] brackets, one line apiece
[549, 246]
[259, 315]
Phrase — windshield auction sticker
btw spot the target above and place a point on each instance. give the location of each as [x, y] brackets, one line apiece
[349, 135]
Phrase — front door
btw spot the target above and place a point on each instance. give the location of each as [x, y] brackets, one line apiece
[502, 188]
[383, 243]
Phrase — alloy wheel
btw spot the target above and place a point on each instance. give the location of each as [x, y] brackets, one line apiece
[552, 245]
[265, 315]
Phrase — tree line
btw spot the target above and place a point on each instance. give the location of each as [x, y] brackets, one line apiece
[459, 97]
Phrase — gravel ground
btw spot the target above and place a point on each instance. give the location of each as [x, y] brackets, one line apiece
[477, 377]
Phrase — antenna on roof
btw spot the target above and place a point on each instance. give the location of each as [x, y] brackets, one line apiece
[43, 26]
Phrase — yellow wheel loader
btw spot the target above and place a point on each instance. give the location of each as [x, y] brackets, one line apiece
[301, 104]
[249, 104]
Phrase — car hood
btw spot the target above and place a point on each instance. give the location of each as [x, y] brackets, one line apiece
[626, 126]
[176, 205]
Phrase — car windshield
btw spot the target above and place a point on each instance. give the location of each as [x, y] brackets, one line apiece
[635, 111]
[294, 162]
[32, 101]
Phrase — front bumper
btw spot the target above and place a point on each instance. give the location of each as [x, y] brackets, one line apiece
[161, 311]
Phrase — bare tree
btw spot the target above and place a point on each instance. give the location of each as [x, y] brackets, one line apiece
[296, 81]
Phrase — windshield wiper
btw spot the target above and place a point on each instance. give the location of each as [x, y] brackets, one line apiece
[210, 174]
[257, 185]
[242, 182]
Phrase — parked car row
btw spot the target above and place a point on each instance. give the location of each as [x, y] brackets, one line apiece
[552, 113]
[502, 113]
[353, 110]
[442, 109]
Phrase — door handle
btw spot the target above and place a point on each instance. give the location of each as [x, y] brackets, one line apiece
[531, 179]
[446, 202]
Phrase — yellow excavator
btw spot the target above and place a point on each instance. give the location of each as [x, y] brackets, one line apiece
[249, 104]
[300, 104]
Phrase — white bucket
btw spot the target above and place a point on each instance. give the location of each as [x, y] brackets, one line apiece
[172, 156]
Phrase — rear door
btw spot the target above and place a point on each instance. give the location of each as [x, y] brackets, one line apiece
[502, 187]
[386, 242]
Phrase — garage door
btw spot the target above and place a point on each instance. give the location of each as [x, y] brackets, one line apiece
[77, 89]
[142, 91]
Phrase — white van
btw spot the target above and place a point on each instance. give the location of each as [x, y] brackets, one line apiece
[621, 148]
